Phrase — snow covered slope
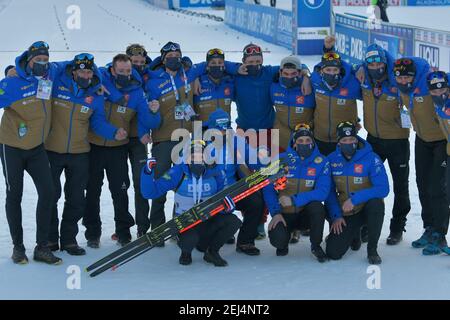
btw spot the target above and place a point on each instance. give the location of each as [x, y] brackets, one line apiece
[108, 27]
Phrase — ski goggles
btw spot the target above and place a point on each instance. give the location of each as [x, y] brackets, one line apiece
[83, 61]
[405, 62]
[374, 59]
[330, 56]
[84, 56]
[216, 51]
[171, 46]
[253, 50]
[302, 126]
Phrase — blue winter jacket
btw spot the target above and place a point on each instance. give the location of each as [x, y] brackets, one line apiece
[361, 179]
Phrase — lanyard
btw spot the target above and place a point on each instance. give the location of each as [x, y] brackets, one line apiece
[197, 189]
[174, 87]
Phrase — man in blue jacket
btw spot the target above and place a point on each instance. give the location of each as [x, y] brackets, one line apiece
[430, 148]
[438, 84]
[308, 185]
[193, 182]
[359, 184]
[111, 156]
[233, 155]
[25, 125]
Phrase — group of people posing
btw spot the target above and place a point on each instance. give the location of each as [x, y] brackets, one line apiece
[85, 121]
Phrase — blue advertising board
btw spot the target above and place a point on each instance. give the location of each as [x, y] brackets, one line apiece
[198, 3]
[398, 40]
[311, 25]
[270, 24]
[352, 38]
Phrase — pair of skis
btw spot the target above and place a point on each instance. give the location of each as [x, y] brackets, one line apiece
[274, 173]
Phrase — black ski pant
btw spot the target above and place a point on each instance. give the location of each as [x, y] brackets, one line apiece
[280, 235]
[162, 152]
[137, 153]
[76, 171]
[34, 161]
[396, 152]
[252, 209]
[113, 161]
[372, 214]
[210, 234]
[431, 160]
[326, 148]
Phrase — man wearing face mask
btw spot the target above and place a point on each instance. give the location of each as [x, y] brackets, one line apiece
[217, 87]
[359, 184]
[291, 106]
[336, 91]
[172, 87]
[140, 60]
[193, 182]
[77, 107]
[308, 185]
[387, 131]
[25, 125]
[119, 78]
[438, 85]
[430, 146]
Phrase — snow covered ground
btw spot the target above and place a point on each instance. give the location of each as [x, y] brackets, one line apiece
[108, 27]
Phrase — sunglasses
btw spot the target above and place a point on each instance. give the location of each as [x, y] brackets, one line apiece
[252, 50]
[171, 47]
[373, 59]
[331, 56]
[215, 51]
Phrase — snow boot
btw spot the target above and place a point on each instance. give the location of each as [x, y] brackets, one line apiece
[249, 249]
[44, 254]
[319, 254]
[74, 250]
[214, 258]
[424, 239]
[394, 238]
[373, 257]
[437, 244]
[19, 256]
[282, 252]
[185, 258]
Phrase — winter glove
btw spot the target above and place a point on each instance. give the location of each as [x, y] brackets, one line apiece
[151, 162]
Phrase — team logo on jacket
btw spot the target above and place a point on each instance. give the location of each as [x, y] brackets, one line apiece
[337, 164]
[89, 99]
[84, 109]
[227, 91]
[357, 180]
[309, 183]
[343, 92]
[358, 168]
[341, 102]
[300, 99]
[419, 99]
[391, 98]
[311, 172]
[299, 109]
[318, 160]
[121, 109]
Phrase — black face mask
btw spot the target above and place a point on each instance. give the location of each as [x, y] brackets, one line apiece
[216, 72]
[304, 150]
[197, 169]
[173, 63]
[123, 81]
[290, 82]
[348, 150]
[254, 70]
[139, 68]
[331, 79]
[377, 74]
[440, 101]
[83, 83]
[40, 69]
[405, 88]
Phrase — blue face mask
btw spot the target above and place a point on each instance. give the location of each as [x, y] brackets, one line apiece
[173, 63]
[254, 70]
[290, 82]
[440, 101]
[304, 150]
[331, 79]
[348, 150]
